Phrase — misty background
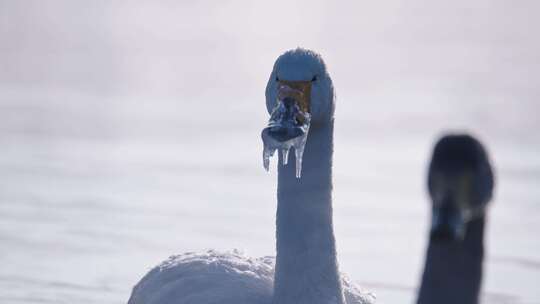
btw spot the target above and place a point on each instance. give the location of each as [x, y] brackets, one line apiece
[130, 131]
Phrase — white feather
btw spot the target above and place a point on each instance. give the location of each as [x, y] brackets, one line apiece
[214, 277]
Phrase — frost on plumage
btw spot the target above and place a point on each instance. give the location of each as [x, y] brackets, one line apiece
[354, 294]
[214, 277]
[209, 277]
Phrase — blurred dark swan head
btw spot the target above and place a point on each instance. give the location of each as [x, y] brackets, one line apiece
[460, 183]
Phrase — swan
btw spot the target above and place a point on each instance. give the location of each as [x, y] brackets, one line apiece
[460, 183]
[300, 101]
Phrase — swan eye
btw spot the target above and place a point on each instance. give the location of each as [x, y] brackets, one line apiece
[314, 78]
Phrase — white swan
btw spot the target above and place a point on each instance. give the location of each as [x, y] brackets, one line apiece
[306, 270]
[460, 184]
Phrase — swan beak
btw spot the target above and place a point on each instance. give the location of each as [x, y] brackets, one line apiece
[290, 117]
[289, 123]
[448, 223]
[300, 91]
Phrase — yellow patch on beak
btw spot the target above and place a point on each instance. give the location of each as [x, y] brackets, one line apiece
[301, 93]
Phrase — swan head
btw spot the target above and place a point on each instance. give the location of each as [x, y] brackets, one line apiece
[300, 76]
[460, 183]
[299, 96]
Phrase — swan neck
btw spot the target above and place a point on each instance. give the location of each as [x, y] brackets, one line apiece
[453, 270]
[306, 265]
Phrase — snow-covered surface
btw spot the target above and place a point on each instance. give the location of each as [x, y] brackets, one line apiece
[131, 132]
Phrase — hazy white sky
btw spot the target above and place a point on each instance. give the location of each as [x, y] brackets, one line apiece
[176, 47]
[422, 57]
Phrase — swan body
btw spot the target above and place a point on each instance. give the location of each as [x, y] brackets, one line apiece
[214, 277]
[305, 270]
[207, 278]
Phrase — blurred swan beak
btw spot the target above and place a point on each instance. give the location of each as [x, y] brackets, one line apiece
[448, 223]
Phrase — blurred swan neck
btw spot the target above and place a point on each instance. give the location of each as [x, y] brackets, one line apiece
[306, 265]
[453, 270]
